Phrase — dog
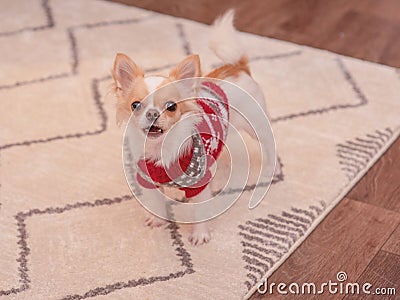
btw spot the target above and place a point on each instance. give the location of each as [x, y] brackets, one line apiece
[164, 122]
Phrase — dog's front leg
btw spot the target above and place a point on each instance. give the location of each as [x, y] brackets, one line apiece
[200, 233]
[152, 220]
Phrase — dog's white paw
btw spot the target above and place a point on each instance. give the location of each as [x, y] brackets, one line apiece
[199, 237]
[153, 221]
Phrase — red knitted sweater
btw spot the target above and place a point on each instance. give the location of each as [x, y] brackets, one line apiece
[190, 172]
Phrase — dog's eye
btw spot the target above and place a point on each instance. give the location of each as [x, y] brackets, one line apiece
[170, 106]
[136, 105]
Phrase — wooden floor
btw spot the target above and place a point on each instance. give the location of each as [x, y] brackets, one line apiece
[362, 234]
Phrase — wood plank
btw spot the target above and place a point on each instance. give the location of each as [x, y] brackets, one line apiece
[381, 185]
[197, 10]
[382, 272]
[347, 240]
[385, 8]
[393, 243]
[359, 28]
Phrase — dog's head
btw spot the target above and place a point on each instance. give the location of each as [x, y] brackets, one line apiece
[154, 111]
[156, 104]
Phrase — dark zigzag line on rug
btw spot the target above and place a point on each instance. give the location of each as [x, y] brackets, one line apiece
[49, 22]
[24, 280]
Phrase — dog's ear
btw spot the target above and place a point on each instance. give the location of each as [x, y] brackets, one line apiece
[188, 68]
[124, 73]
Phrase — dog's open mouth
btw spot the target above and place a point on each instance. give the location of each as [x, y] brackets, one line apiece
[153, 131]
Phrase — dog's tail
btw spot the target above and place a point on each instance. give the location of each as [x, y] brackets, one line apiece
[224, 41]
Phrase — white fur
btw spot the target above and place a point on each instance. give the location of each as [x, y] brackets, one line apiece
[245, 82]
[225, 44]
[169, 146]
[177, 140]
[153, 82]
[224, 41]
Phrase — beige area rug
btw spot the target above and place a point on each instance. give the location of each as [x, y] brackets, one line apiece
[69, 227]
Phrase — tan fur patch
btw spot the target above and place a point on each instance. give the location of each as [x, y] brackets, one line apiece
[129, 85]
[184, 68]
[137, 92]
[229, 70]
[171, 93]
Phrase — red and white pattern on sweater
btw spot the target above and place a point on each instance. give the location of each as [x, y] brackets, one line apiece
[191, 171]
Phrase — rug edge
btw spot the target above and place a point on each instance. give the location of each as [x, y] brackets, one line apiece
[327, 210]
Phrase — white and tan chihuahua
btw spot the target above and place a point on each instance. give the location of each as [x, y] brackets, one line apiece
[162, 113]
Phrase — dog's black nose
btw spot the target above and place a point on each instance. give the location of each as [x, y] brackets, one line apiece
[152, 115]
